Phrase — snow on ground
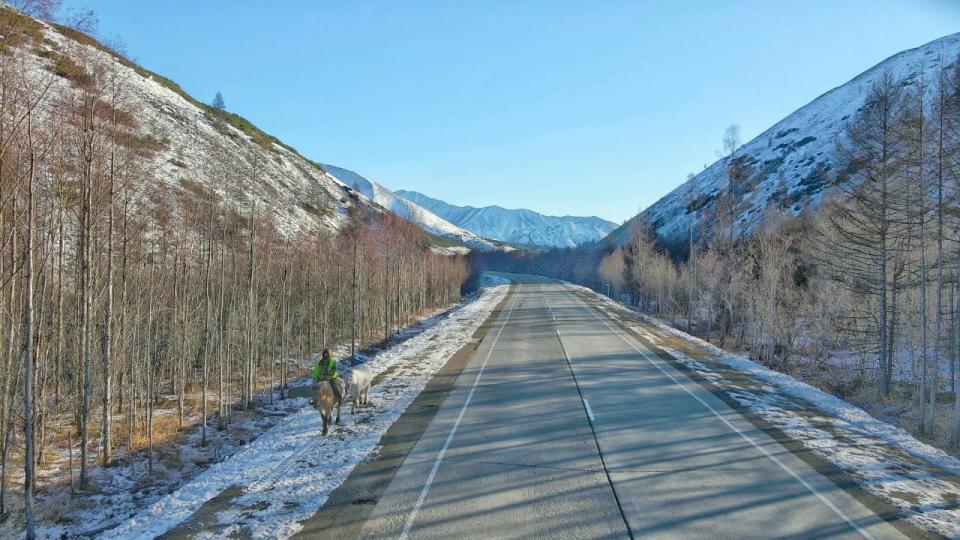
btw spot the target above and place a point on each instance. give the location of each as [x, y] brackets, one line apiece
[905, 363]
[290, 470]
[491, 280]
[119, 491]
[923, 482]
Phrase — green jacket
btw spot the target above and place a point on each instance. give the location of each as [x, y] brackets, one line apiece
[325, 372]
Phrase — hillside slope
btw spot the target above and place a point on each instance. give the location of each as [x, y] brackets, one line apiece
[409, 210]
[524, 227]
[794, 163]
[197, 151]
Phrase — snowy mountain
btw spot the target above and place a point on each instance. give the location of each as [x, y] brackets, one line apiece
[524, 227]
[409, 210]
[793, 164]
[200, 151]
[197, 150]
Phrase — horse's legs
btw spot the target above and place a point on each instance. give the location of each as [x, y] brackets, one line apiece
[326, 419]
[338, 414]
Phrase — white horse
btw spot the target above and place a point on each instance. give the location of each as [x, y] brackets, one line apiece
[325, 401]
[360, 379]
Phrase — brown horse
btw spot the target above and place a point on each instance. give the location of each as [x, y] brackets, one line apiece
[325, 401]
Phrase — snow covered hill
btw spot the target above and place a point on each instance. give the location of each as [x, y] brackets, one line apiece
[793, 163]
[197, 150]
[524, 227]
[409, 210]
[201, 151]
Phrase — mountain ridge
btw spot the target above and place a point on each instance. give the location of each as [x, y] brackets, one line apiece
[198, 151]
[516, 226]
[203, 151]
[409, 210]
[793, 163]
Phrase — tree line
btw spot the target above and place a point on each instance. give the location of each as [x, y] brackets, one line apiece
[873, 275]
[863, 290]
[119, 292]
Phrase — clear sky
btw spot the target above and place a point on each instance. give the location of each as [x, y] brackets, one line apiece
[565, 107]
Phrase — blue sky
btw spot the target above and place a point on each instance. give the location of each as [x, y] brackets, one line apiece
[588, 107]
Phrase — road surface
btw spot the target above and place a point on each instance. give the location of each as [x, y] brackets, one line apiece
[561, 424]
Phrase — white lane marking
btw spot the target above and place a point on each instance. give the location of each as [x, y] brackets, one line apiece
[735, 429]
[596, 439]
[586, 404]
[453, 430]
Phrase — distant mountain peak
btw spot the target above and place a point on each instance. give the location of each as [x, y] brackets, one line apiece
[517, 226]
[409, 210]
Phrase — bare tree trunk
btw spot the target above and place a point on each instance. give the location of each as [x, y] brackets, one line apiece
[180, 295]
[927, 414]
[249, 371]
[7, 434]
[9, 380]
[85, 331]
[891, 346]
[886, 358]
[107, 330]
[221, 336]
[355, 291]
[955, 432]
[938, 324]
[400, 320]
[285, 329]
[149, 412]
[29, 458]
[59, 357]
[205, 343]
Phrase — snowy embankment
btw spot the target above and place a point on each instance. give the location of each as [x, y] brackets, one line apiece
[289, 471]
[921, 481]
[491, 280]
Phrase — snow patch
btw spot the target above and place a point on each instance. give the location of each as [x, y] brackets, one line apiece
[290, 470]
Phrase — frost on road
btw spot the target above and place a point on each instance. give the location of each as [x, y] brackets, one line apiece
[289, 471]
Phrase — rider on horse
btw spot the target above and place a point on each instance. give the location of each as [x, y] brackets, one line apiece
[326, 370]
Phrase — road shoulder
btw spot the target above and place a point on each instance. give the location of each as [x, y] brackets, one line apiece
[348, 507]
[830, 471]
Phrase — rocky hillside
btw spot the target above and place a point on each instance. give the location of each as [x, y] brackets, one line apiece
[521, 227]
[793, 164]
[196, 149]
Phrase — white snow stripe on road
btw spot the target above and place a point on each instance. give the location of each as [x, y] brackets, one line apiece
[586, 404]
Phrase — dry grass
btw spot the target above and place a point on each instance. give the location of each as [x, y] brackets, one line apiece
[165, 429]
[53, 465]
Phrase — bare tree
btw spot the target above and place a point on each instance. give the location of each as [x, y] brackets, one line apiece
[858, 252]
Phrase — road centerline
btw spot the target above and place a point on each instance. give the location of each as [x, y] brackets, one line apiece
[840, 513]
[596, 440]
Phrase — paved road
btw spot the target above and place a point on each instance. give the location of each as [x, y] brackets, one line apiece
[562, 425]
